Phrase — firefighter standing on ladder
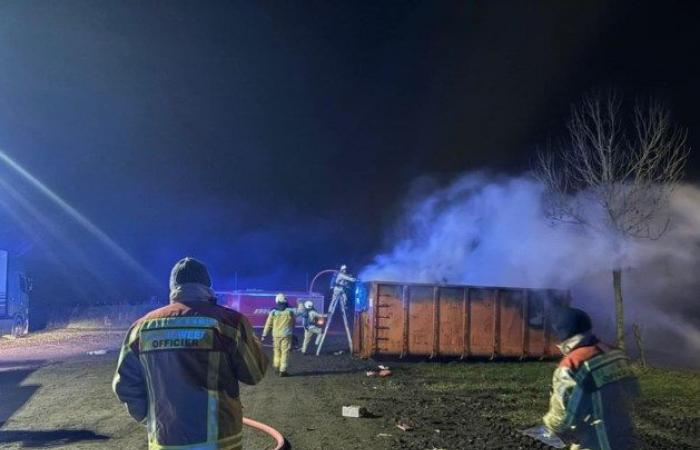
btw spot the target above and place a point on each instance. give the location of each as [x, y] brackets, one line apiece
[341, 284]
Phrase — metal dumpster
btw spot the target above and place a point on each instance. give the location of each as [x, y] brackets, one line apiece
[411, 319]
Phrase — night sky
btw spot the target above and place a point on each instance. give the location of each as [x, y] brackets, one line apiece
[275, 139]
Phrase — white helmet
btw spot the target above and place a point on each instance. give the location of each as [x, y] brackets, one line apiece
[308, 304]
[280, 298]
[343, 268]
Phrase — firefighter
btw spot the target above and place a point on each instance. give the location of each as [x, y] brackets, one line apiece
[180, 365]
[281, 321]
[593, 388]
[311, 321]
[341, 283]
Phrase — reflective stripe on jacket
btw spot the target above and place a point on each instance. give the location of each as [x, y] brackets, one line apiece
[281, 321]
[310, 318]
[592, 396]
[179, 370]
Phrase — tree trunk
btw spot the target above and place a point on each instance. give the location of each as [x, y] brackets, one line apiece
[619, 312]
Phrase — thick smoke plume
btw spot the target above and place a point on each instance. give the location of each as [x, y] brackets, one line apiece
[489, 230]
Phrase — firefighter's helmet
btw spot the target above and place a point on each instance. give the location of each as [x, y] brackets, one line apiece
[308, 304]
[343, 268]
[280, 298]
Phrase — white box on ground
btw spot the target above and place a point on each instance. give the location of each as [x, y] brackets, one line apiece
[354, 411]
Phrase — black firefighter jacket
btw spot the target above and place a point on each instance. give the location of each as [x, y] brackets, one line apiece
[179, 370]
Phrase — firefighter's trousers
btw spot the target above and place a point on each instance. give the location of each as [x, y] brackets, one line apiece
[309, 333]
[282, 346]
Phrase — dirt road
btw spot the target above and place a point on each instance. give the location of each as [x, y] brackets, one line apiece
[68, 404]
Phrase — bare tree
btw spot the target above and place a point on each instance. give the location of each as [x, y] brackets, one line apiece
[616, 174]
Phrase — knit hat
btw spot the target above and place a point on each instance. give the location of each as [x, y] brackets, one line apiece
[568, 322]
[189, 270]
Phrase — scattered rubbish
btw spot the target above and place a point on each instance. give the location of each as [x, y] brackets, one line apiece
[354, 411]
[381, 371]
[310, 428]
[339, 352]
[384, 435]
[543, 435]
[97, 352]
[404, 426]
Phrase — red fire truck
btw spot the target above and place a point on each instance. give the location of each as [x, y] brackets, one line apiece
[255, 304]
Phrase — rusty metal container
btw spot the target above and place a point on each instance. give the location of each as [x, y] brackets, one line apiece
[411, 319]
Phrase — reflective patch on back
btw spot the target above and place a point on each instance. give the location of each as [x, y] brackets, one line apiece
[611, 373]
[179, 322]
[176, 339]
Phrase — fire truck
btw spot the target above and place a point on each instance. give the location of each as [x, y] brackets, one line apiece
[15, 287]
[255, 304]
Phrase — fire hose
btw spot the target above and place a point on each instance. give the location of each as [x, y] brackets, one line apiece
[280, 441]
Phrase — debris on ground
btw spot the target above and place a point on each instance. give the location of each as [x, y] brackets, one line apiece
[338, 353]
[97, 352]
[384, 435]
[380, 371]
[404, 426]
[354, 411]
[543, 435]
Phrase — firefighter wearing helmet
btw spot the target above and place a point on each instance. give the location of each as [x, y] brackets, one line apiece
[281, 321]
[592, 389]
[341, 283]
[312, 322]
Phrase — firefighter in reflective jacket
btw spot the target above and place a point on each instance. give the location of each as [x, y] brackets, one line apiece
[311, 319]
[593, 389]
[180, 366]
[341, 283]
[281, 321]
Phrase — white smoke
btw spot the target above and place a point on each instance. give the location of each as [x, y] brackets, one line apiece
[489, 230]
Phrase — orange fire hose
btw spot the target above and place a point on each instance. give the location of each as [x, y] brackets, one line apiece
[276, 435]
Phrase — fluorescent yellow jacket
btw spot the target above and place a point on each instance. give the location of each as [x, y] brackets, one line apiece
[281, 321]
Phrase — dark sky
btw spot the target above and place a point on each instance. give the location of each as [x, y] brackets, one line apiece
[274, 139]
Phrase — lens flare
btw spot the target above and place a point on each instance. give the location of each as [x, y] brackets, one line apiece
[83, 221]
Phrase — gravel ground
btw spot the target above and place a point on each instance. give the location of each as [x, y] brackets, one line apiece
[67, 402]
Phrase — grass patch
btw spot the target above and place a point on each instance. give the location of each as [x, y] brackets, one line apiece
[667, 409]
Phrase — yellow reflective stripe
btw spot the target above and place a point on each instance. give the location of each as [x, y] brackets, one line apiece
[150, 420]
[243, 349]
[192, 322]
[213, 396]
[229, 331]
[132, 336]
[180, 322]
[251, 362]
[599, 426]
